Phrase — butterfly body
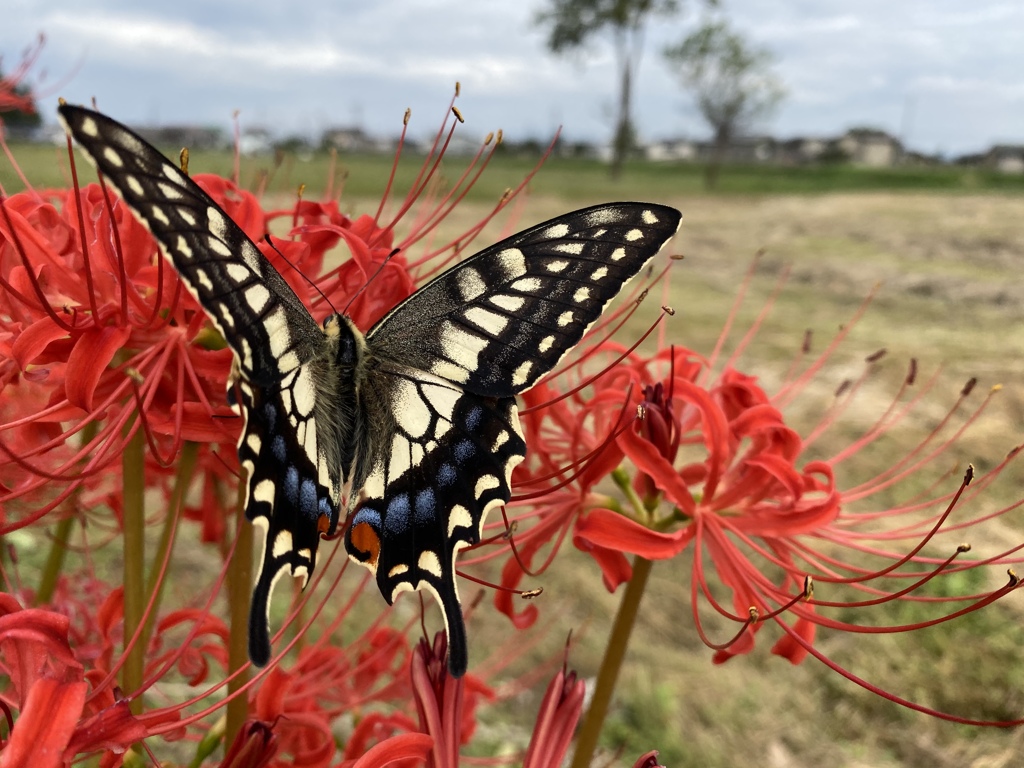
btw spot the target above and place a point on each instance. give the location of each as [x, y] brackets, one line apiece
[415, 424]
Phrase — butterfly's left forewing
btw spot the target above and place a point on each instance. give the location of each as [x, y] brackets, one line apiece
[503, 318]
[288, 398]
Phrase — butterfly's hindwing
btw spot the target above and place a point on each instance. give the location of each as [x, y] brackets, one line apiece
[503, 318]
[450, 462]
[292, 493]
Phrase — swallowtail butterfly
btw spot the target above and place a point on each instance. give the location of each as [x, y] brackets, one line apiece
[415, 423]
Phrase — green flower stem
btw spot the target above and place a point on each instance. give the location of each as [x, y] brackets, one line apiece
[614, 653]
[155, 586]
[54, 561]
[134, 579]
[239, 593]
[621, 478]
[58, 549]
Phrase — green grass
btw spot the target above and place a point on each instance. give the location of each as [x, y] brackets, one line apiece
[363, 176]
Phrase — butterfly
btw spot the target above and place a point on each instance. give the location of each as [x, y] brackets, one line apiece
[415, 423]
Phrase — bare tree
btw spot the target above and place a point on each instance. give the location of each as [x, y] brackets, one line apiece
[731, 81]
[574, 23]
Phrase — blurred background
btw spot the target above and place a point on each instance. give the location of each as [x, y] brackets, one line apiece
[941, 79]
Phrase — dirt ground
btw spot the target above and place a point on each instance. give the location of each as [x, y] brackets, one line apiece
[949, 291]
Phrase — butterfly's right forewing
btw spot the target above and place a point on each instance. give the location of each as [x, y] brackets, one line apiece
[255, 309]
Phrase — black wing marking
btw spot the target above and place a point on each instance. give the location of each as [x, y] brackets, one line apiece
[287, 394]
[257, 312]
[503, 318]
[292, 494]
[450, 462]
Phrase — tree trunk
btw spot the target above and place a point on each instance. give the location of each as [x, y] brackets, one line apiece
[717, 157]
[622, 141]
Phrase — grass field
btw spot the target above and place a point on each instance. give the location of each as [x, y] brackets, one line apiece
[573, 179]
[947, 248]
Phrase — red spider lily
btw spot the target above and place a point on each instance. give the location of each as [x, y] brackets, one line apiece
[707, 465]
[14, 96]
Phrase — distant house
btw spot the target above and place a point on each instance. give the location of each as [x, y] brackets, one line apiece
[255, 141]
[671, 149]
[748, 150]
[346, 139]
[871, 147]
[802, 150]
[1005, 158]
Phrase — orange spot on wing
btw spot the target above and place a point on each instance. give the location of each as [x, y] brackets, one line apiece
[366, 540]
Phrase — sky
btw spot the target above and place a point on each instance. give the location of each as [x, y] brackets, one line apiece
[946, 76]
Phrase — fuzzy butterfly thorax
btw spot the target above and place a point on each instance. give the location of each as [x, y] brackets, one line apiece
[415, 424]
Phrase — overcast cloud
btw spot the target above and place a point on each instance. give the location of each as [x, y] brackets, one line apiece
[943, 74]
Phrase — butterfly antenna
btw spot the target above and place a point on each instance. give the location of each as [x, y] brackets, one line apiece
[304, 276]
[373, 277]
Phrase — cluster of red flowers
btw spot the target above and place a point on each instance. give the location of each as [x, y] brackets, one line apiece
[113, 420]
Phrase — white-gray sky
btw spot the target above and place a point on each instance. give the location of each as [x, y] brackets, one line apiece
[945, 74]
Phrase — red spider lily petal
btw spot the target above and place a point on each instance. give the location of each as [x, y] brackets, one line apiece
[647, 459]
[88, 361]
[254, 746]
[31, 342]
[611, 530]
[303, 729]
[648, 760]
[192, 421]
[406, 746]
[374, 729]
[560, 711]
[114, 728]
[34, 646]
[615, 568]
[45, 725]
[788, 648]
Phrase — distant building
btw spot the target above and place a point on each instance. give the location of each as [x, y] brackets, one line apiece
[747, 150]
[803, 150]
[255, 141]
[871, 147]
[1005, 158]
[671, 149]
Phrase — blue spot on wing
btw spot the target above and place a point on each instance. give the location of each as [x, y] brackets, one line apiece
[463, 451]
[279, 449]
[307, 498]
[446, 475]
[397, 518]
[473, 418]
[325, 506]
[291, 485]
[367, 515]
[425, 506]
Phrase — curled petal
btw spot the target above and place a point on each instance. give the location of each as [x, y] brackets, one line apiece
[406, 746]
[45, 725]
[88, 360]
[790, 649]
[610, 530]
